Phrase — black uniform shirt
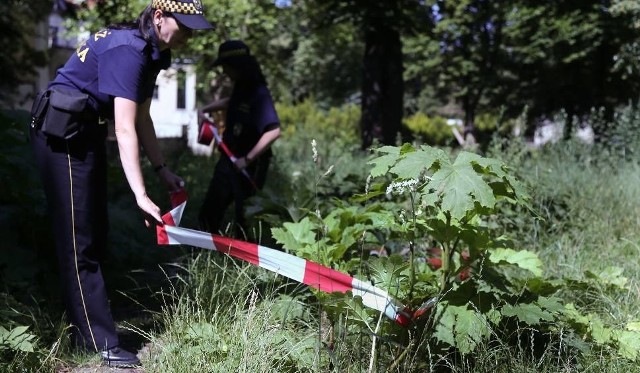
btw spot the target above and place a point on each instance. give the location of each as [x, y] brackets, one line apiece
[249, 114]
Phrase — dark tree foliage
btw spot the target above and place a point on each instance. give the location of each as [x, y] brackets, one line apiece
[497, 57]
[470, 57]
[382, 25]
[20, 57]
[508, 57]
[564, 55]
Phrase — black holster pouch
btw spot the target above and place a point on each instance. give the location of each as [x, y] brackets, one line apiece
[66, 113]
[39, 109]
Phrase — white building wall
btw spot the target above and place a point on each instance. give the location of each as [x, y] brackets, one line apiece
[169, 121]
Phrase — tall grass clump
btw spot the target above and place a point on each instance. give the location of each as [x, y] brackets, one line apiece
[31, 340]
[227, 316]
[496, 260]
[587, 199]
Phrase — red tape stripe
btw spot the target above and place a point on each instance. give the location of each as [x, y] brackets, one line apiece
[238, 249]
[307, 272]
[326, 279]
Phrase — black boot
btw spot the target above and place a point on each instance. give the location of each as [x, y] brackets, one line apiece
[119, 358]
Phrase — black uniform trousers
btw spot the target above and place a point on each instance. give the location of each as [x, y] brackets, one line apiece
[74, 176]
[229, 186]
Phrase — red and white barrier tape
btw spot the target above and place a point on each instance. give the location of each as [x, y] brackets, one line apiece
[301, 270]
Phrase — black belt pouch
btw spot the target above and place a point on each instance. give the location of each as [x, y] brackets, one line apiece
[39, 109]
[67, 110]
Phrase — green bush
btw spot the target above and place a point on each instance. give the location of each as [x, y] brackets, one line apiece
[564, 287]
[308, 119]
[433, 130]
[293, 185]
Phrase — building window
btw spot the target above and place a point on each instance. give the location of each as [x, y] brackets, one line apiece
[182, 89]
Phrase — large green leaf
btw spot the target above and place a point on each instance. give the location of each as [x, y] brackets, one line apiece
[380, 219]
[508, 184]
[629, 344]
[414, 163]
[389, 274]
[17, 339]
[610, 276]
[461, 187]
[523, 259]
[460, 327]
[551, 304]
[633, 326]
[599, 332]
[529, 314]
[383, 163]
[295, 235]
[356, 310]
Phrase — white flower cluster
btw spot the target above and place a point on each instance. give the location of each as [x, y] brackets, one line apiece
[315, 150]
[368, 184]
[329, 170]
[402, 186]
[402, 216]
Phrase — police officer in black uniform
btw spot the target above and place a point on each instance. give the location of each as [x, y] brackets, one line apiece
[112, 75]
[251, 127]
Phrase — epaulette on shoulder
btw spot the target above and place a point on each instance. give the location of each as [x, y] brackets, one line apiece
[126, 37]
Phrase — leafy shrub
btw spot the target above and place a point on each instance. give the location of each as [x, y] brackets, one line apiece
[29, 337]
[308, 132]
[434, 130]
[307, 119]
[450, 204]
[491, 122]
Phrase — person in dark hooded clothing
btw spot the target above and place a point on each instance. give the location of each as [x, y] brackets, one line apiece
[251, 127]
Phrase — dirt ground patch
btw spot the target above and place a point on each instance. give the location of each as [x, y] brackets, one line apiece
[98, 367]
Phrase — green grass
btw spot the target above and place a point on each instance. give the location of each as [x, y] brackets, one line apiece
[226, 318]
[590, 216]
[589, 200]
[201, 311]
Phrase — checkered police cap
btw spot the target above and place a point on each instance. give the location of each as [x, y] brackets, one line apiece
[188, 12]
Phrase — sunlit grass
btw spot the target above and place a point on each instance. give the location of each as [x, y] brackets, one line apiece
[222, 315]
[223, 318]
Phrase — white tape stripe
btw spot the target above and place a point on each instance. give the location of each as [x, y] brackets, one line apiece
[184, 236]
[282, 263]
[273, 260]
[176, 213]
[375, 298]
[289, 266]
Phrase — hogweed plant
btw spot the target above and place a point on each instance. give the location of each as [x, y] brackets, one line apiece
[437, 219]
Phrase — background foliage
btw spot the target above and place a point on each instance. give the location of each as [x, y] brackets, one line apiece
[527, 255]
[20, 56]
[461, 60]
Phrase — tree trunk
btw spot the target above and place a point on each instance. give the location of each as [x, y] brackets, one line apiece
[469, 108]
[382, 87]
